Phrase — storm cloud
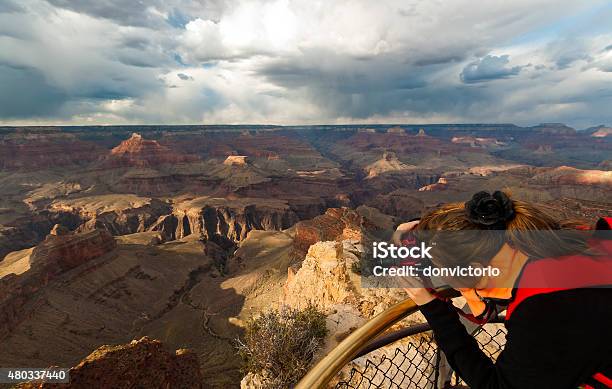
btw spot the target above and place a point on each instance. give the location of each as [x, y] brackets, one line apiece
[295, 61]
[489, 68]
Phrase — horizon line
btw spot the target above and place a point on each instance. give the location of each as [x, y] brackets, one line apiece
[364, 125]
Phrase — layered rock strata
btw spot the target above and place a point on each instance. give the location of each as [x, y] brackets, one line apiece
[24, 273]
[214, 218]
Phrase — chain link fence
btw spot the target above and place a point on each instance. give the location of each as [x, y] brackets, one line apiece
[415, 362]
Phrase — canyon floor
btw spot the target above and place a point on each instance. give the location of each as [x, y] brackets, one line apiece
[181, 233]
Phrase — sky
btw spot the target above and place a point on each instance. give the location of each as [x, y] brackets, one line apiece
[305, 62]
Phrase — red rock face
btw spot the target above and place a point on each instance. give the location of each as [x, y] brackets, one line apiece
[220, 145]
[403, 143]
[140, 364]
[602, 132]
[59, 253]
[140, 152]
[43, 151]
[335, 224]
[54, 256]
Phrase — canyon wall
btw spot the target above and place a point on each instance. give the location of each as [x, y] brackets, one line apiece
[227, 220]
[32, 152]
[21, 276]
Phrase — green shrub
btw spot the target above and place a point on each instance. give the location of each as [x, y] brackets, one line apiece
[280, 345]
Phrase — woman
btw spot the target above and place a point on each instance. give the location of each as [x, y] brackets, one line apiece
[559, 336]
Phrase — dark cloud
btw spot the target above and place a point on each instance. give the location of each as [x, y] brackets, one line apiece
[323, 69]
[439, 60]
[9, 6]
[137, 42]
[149, 13]
[25, 93]
[143, 49]
[488, 68]
[360, 89]
[184, 77]
[133, 59]
[124, 12]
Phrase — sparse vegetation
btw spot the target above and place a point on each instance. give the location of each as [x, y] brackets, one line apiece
[279, 345]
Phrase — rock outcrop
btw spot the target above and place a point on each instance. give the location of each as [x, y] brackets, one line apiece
[61, 252]
[388, 163]
[335, 224]
[328, 280]
[31, 228]
[442, 184]
[324, 277]
[236, 160]
[252, 381]
[23, 275]
[602, 132]
[142, 363]
[139, 152]
[237, 172]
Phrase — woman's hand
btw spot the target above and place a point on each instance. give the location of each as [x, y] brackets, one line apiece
[418, 294]
[402, 229]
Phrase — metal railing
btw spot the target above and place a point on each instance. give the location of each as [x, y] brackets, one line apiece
[408, 358]
[416, 362]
